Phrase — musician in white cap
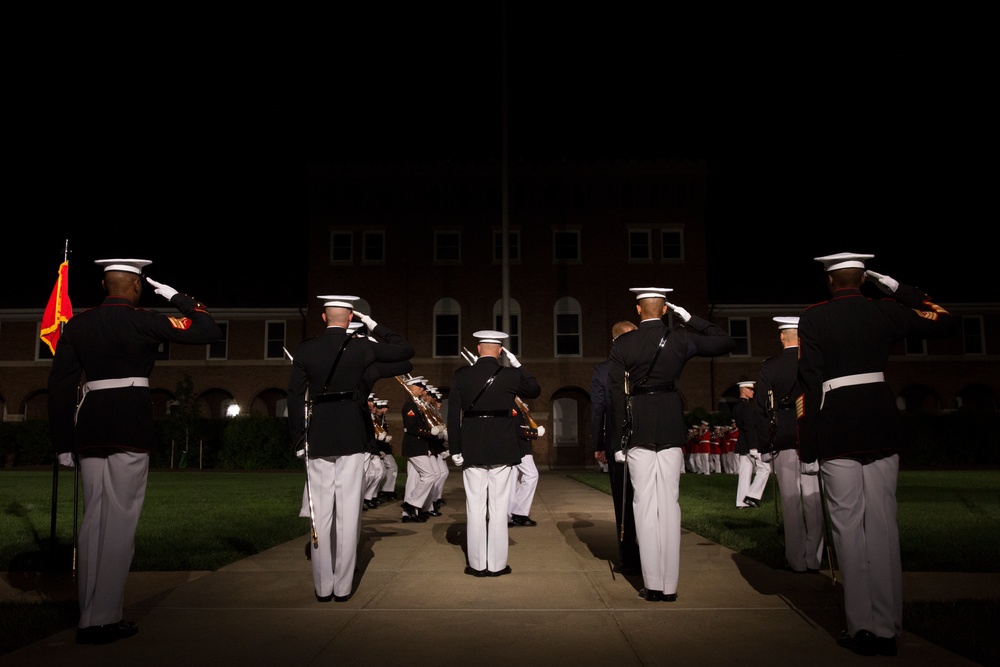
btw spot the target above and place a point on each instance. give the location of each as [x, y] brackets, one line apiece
[801, 503]
[647, 415]
[753, 471]
[483, 433]
[110, 434]
[328, 417]
[851, 433]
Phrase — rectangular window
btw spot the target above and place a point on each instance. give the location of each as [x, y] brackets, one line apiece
[972, 334]
[513, 247]
[42, 351]
[566, 245]
[163, 351]
[672, 242]
[514, 342]
[447, 246]
[446, 335]
[274, 343]
[568, 335]
[220, 348]
[373, 247]
[341, 247]
[739, 329]
[639, 245]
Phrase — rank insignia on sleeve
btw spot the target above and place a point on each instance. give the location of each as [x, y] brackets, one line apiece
[180, 322]
[410, 413]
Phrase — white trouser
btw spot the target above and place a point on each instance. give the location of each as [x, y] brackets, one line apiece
[862, 503]
[336, 484]
[523, 482]
[114, 489]
[801, 512]
[391, 473]
[656, 481]
[437, 490]
[701, 463]
[487, 490]
[715, 461]
[421, 475]
[752, 480]
[374, 475]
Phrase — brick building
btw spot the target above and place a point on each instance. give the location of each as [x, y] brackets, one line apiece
[420, 243]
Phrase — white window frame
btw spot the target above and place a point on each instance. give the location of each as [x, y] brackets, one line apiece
[746, 322]
[514, 343]
[365, 245]
[224, 325]
[633, 258]
[515, 244]
[342, 235]
[267, 339]
[448, 307]
[663, 246]
[438, 235]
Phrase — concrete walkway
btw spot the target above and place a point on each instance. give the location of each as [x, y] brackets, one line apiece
[562, 604]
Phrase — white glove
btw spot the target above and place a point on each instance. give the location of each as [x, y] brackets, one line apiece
[166, 291]
[809, 468]
[885, 283]
[510, 356]
[366, 320]
[388, 439]
[300, 453]
[620, 456]
[445, 454]
[66, 460]
[679, 312]
[457, 459]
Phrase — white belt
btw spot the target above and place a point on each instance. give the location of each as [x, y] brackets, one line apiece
[848, 380]
[112, 383]
[115, 383]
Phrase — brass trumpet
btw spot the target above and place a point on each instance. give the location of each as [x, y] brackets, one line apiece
[532, 429]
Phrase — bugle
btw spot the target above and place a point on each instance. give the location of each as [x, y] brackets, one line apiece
[532, 428]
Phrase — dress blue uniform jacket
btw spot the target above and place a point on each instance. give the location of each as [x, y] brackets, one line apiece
[116, 340]
[340, 427]
[486, 441]
[658, 419]
[848, 335]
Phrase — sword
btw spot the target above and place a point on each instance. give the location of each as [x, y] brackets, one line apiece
[305, 449]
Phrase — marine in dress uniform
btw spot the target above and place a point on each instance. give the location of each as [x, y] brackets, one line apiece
[654, 357]
[388, 491]
[483, 433]
[753, 471]
[604, 451]
[851, 433]
[801, 503]
[329, 371]
[523, 479]
[111, 435]
[422, 470]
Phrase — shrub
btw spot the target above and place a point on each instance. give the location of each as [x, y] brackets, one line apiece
[255, 442]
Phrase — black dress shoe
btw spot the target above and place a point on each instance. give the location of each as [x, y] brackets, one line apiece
[669, 597]
[324, 598]
[341, 598]
[649, 595]
[521, 520]
[432, 513]
[474, 573]
[751, 502]
[105, 634]
[862, 643]
[498, 573]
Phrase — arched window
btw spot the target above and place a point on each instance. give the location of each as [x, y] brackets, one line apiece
[514, 343]
[447, 328]
[568, 327]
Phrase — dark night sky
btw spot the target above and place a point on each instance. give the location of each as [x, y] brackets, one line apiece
[823, 134]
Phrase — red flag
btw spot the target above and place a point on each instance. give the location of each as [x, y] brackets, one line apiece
[59, 309]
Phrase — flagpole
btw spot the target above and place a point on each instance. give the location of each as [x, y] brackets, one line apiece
[55, 474]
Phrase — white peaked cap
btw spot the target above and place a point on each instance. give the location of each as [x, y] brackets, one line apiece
[417, 379]
[843, 260]
[338, 301]
[490, 336]
[130, 265]
[746, 383]
[354, 326]
[787, 322]
[651, 292]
